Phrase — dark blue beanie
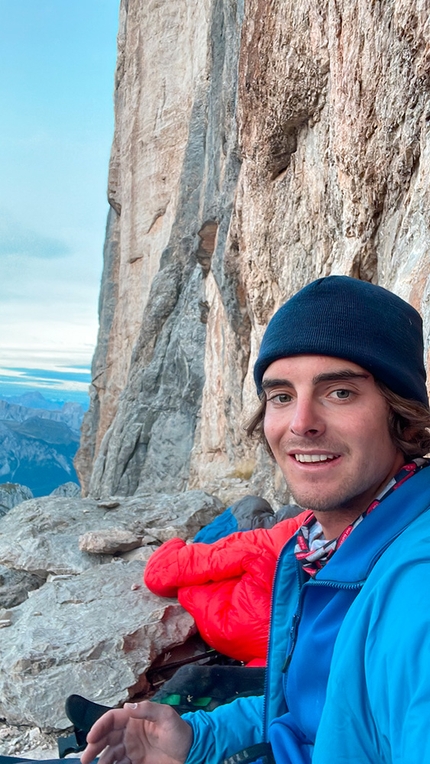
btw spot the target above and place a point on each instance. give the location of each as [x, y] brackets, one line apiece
[346, 318]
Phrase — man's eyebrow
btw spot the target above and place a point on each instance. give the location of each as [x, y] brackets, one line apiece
[342, 374]
[267, 384]
[327, 376]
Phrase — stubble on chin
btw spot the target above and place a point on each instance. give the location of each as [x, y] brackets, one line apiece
[343, 499]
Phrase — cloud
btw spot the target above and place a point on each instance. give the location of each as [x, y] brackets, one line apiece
[64, 381]
[72, 374]
[16, 239]
[45, 352]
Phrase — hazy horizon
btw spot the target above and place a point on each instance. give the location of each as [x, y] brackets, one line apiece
[59, 386]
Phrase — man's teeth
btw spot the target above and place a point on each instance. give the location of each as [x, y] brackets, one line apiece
[313, 457]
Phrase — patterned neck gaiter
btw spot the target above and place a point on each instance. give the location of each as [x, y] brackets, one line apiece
[314, 551]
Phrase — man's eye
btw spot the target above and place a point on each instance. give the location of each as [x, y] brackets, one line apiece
[279, 398]
[341, 395]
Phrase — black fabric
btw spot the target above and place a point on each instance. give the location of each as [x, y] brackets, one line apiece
[286, 512]
[206, 687]
[72, 743]
[252, 512]
[83, 713]
[260, 754]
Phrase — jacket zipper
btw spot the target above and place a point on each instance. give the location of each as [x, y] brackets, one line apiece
[296, 618]
[266, 680]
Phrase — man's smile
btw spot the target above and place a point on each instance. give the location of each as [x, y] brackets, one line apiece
[314, 457]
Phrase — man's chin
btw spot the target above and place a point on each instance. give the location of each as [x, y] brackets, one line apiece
[318, 502]
[339, 503]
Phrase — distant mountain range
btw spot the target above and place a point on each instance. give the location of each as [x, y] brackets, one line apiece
[33, 399]
[38, 442]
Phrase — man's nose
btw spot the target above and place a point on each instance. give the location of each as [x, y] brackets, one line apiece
[306, 418]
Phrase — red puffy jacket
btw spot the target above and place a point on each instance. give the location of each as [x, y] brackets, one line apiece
[226, 586]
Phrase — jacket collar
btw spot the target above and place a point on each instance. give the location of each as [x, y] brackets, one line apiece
[356, 557]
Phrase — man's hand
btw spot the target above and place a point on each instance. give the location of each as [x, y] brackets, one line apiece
[139, 733]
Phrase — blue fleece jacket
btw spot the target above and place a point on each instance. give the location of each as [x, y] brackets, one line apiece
[349, 651]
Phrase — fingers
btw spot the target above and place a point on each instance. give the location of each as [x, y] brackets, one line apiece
[109, 755]
[114, 754]
[94, 749]
[111, 722]
[107, 731]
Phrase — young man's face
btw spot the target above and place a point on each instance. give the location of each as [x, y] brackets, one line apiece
[327, 425]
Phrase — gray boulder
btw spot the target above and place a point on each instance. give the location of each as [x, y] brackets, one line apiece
[12, 494]
[91, 627]
[15, 585]
[42, 536]
[94, 634]
[67, 489]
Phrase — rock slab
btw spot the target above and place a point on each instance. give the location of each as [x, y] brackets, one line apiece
[89, 626]
[94, 634]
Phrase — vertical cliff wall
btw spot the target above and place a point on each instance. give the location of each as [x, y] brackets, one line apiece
[258, 145]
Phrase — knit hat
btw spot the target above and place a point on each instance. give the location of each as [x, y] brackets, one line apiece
[346, 318]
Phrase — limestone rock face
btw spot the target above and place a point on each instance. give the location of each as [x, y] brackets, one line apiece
[257, 146]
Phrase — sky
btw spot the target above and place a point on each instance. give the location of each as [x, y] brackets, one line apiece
[57, 64]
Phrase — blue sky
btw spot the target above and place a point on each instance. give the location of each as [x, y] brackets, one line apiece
[57, 62]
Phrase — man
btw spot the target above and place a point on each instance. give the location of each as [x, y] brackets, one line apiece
[344, 411]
